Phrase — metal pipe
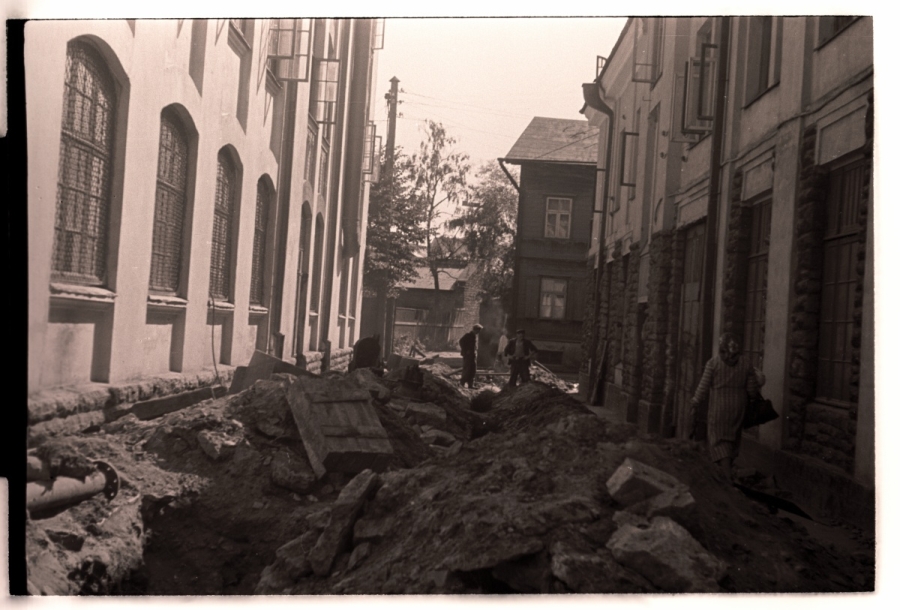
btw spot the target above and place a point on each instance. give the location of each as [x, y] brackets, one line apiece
[61, 491]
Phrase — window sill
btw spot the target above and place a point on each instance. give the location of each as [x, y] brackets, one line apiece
[220, 305]
[761, 94]
[258, 310]
[165, 301]
[79, 294]
[236, 40]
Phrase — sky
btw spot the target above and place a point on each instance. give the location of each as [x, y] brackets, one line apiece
[495, 75]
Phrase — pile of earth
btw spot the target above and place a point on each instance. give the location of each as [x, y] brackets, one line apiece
[220, 498]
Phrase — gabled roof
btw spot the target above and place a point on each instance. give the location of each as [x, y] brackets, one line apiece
[447, 278]
[556, 141]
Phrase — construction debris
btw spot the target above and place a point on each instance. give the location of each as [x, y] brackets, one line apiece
[309, 484]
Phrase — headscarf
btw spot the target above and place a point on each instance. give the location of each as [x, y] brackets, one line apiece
[726, 355]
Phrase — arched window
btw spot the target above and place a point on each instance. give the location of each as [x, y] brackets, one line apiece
[223, 229]
[85, 168]
[263, 202]
[171, 198]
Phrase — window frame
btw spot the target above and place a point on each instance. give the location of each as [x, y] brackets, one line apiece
[230, 231]
[823, 40]
[72, 139]
[265, 198]
[770, 48]
[555, 306]
[294, 63]
[651, 42]
[557, 213]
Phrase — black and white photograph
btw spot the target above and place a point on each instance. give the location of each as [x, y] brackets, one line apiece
[479, 306]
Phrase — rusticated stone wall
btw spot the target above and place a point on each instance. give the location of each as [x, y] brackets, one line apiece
[656, 329]
[737, 250]
[631, 359]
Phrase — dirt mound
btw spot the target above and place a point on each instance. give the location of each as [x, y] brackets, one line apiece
[220, 498]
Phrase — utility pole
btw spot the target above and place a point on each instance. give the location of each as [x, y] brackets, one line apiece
[385, 305]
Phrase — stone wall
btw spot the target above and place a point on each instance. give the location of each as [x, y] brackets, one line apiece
[673, 299]
[632, 352]
[737, 250]
[615, 318]
[655, 331]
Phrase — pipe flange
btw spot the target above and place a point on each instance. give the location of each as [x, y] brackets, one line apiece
[111, 490]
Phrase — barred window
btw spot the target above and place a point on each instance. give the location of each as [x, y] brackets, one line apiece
[85, 168]
[223, 231]
[171, 197]
[263, 201]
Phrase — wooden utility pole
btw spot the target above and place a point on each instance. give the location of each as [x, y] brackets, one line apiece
[385, 305]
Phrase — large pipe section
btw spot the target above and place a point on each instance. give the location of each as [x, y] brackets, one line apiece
[44, 493]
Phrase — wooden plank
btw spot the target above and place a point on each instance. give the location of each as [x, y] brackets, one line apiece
[331, 431]
[347, 395]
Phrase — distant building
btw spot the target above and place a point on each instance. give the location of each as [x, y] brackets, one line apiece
[735, 158]
[558, 159]
[197, 190]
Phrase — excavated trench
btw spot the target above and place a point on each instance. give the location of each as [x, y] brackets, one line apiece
[220, 499]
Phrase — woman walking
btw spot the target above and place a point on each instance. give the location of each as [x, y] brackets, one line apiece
[728, 379]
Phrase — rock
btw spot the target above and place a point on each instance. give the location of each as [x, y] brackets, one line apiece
[455, 448]
[667, 555]
[319, 519]
[336, 536]
[366, 379]
[622, 518]
[359, 554]
[290, 565]
[292, 472]
[634, 481]
[424, 412]
[67, 540]
[269, 428]
[370, 530]
[438, 437]
[594, 572]
[245, 457]
[217, 445]
[678, 505]
[492, 554]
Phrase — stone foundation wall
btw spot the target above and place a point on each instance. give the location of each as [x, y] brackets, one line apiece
[615, 317]
[631, 358]
[673, 299]
[311, 361]
[737, 251]
[655, 332]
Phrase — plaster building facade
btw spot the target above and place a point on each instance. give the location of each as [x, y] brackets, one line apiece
[553, 233]
[197, 190]
[735, 170]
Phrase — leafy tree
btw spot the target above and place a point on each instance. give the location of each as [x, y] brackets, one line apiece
[489, 227]
[394, 232]
[438, 175]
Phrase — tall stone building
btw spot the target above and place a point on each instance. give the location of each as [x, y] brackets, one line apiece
[197, 190]
[736, 160]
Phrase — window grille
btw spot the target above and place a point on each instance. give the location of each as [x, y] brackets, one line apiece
[558, 218]
[839, 279]
[553, 298]
[222, 239]
[263, 202]
[85, 168]
[757, 277]
[289, 46]
[171, 195]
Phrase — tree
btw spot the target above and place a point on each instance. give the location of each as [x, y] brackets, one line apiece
[394, 233]
[489, 227]
[438, 175]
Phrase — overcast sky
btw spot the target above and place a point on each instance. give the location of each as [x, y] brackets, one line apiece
[485, 79]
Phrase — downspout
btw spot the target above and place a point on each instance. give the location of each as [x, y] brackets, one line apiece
[708, 286]
[514, 308]
[592, 98]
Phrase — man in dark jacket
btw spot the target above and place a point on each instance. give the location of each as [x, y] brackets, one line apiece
[520, 352]
[468, 348]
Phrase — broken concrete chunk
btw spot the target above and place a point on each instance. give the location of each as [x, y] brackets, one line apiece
[474, 559]
[359, 554]
[622, 518]
[319, 519]
[370, 530]
[668, 556]
[424, 412]
[365, 378]
[217, 445]
[634, 481]
[292, 472]
[262, 366]
[594, 572]
[339, 426]
[438, 437]
[336, 536]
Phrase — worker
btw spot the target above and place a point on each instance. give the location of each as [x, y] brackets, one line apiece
[520, 352]
[367, 354]
[468, 348]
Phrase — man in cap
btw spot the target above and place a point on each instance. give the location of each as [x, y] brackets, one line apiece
[468, 348]
[520, 352]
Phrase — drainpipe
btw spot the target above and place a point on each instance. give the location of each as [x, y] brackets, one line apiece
[592, 98]
[708, 285]
[514, 308]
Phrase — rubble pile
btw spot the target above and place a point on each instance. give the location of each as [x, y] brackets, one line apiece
[531, 493]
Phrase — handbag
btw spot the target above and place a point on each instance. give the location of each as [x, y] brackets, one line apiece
[759, 411]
